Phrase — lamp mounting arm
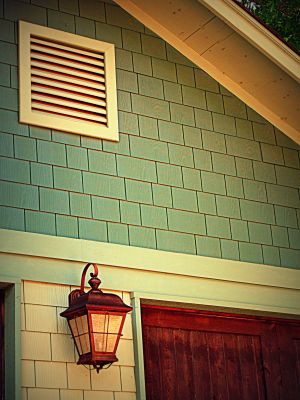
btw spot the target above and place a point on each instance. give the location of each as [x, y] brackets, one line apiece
[94, 282]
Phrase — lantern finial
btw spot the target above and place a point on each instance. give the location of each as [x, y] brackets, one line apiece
[94, 282]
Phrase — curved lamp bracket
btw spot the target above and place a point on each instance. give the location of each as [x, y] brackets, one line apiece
[94, 282]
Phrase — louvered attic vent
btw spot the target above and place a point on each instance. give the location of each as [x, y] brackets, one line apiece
[67, 82]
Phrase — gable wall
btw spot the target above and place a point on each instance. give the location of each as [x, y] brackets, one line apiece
[195, 171]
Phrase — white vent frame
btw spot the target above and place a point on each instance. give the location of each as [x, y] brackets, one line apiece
[27, 115]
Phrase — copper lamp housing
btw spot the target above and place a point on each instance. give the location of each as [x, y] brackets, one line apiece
[96, 321]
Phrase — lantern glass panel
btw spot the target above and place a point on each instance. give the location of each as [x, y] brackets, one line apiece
[100, 342]
[115, 323]
[111, 342]
[85, 343]
[82, 324]
[106, 328]
[99, 322]
[80, 329]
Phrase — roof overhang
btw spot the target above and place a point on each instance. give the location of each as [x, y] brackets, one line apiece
[233, 48]
[257, 34]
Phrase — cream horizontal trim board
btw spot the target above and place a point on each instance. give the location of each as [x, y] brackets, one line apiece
[208, 292]
[256, 80]
[257, 34]
[135, 258]
[217, 305]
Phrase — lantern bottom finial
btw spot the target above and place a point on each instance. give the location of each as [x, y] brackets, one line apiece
[103, 363]
[98, 367]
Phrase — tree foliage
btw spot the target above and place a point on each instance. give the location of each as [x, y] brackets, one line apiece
[282, 16]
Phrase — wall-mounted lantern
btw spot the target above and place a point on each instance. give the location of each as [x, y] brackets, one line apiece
[96, 320]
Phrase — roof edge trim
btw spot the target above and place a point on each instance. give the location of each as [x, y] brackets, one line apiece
[259, 36]
[263, 109]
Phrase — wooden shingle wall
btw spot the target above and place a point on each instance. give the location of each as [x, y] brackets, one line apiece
[49, 368]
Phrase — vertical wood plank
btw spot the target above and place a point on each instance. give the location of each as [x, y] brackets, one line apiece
[217, 366]
[185, 381]
[296, 343]
[271, 364]
[200, 366]
[260, 372]
[152, 362]
[233, 367]
[168, 369]
[290, 382]
[250, 381]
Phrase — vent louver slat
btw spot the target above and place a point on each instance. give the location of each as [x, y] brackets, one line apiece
[67, 111]
[68, 103]
[64, 70]
[67, 81]
[80, 88]
[67, 94]
[69, 78]
[65, 62]
[67, 48]
[62, 53]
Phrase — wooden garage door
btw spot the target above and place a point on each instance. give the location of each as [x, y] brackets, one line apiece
[192, 355]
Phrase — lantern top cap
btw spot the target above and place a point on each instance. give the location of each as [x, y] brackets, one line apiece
[81, 301]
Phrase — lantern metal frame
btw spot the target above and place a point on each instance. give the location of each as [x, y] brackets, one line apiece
[94, 301]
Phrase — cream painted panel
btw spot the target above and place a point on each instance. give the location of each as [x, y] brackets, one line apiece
[125, 396]
[66, 394]
[97, 395]
[186, 16]
[127, 378]
[45, 394]
[213, 32]
[50, 375]
[256, 74]
[127, 328]
[28, 375]
[45, 294]
[125, 353]
[63, 348]
[40, 318]
[110, 379]
[252, 65]
[78, 377]
[35, 346]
